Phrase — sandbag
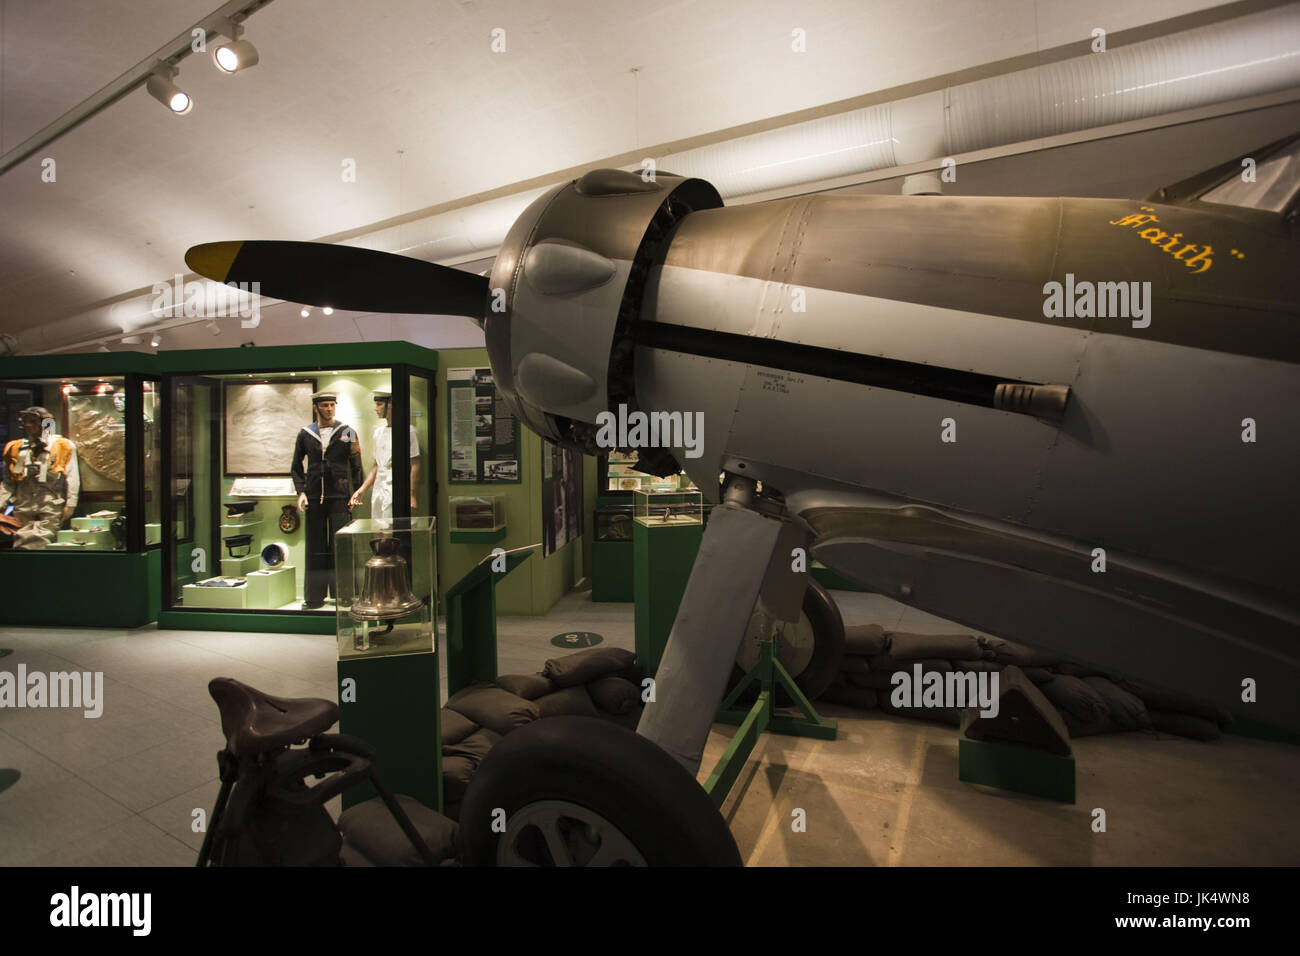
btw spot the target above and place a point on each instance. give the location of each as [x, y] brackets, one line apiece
[474, 747]
[1176, 703]
[1084, 710]
[527, 686]
[585, 666]
[904, 646]
[455, 727]
[1184, 725]
[1126, 711]
[614, 695]
[854, 665]
[850, 696]
[493, 708]
[1071, 669]
[1009, 652]
[875, 680]
[456, 772]
[864, 640]
[371, 830]
[570, 702]
[977, 666]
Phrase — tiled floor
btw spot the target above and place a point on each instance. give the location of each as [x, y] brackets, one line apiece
[123, 789]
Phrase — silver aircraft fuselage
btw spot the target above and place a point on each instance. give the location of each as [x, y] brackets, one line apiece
[960, 434]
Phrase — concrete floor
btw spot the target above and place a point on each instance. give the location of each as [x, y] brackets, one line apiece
[121, 790]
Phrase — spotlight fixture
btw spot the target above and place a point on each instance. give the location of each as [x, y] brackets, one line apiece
[161, 88]
[212, 327]
[156, 340]
[328, 310]
[238, 54]
[305, 313]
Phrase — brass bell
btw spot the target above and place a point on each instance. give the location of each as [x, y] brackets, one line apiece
[386, 594]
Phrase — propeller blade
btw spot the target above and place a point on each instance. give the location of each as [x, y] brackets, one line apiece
[345, 277]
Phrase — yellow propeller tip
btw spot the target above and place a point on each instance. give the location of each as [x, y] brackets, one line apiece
[213, 260]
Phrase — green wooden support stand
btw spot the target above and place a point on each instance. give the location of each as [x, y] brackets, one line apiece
[761, 717]
[472, 621]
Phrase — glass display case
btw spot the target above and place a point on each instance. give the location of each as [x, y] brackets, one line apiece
[267, 465]
[80, 488]
[72, 466]
[614, 523]
[385, 573]
[478, 513]
[668, 508]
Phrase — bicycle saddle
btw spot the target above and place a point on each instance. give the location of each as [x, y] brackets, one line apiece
[255, 723]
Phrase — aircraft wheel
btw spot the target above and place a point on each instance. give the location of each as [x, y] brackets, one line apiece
[812, 651]
[580, 791]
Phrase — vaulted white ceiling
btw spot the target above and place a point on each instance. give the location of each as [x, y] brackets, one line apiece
[412, 91]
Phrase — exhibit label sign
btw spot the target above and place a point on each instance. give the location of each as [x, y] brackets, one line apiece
[483, 435]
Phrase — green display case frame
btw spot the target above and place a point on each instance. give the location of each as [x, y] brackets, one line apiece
[405, 362]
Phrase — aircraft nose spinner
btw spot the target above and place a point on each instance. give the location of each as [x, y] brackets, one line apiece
[565, 287]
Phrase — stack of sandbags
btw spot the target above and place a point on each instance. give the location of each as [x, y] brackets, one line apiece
[1089, 701]
[599, 682]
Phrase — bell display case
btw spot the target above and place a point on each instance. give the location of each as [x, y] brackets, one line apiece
[386, 582]
[80, 488]
[269, 453]
[387, 635]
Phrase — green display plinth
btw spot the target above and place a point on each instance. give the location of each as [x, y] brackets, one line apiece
[238, 567]
[92, 540]
[392, 704]
[611, 571]
[1017, 768]
[663, 556]
[272, 588]
[82, 588]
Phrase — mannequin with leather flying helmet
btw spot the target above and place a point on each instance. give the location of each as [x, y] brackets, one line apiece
[326, 468]
[36, 481]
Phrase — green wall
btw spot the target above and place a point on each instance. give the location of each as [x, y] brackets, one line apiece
[540, 582]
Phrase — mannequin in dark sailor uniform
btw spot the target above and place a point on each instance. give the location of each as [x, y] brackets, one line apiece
[326, 468]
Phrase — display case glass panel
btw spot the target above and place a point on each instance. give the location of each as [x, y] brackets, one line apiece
[66, 477]
[263, 478]
[614, 523]
[668, 509]
[387, 598]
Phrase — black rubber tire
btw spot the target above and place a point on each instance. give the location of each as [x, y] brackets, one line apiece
[629, 781]
[828, 649]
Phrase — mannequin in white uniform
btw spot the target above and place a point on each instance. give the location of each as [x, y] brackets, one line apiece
[381, 473]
